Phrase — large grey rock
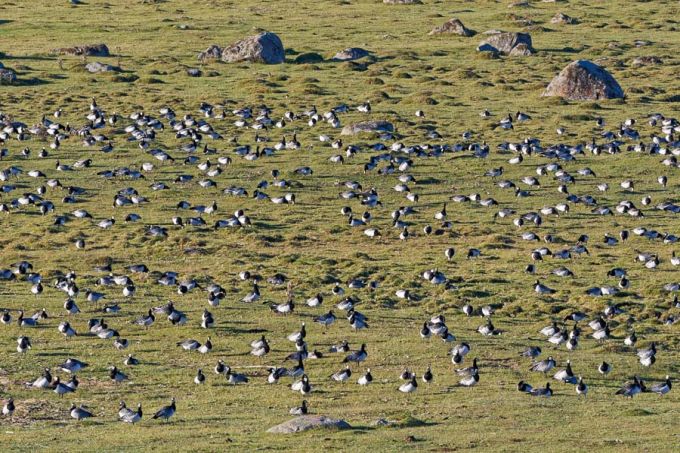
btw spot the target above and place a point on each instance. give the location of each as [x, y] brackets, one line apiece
[96, 67]
[351, 53]
[213, 52]
[306, 422]
[504, 42]
[583, 80]
[368, 126]
[7, 76]
[265, 48]
[452, 26]
[89, 50]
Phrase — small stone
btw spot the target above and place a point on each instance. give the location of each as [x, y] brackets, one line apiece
[452, 26]
[194, 72]
[96, 67]
[351, 53]
[307, 422]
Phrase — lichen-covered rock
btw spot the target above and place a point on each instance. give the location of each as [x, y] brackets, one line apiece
[88, 50]
[563, 19]
[368, 126]
[194, 72]
[583, 80]
[265, 47]
[96, 67]
[521, 50]
[307, 422]
[647, 61]
[504, 42]
[213, 52]
[7, 76]
[452, 26]
[351, 53]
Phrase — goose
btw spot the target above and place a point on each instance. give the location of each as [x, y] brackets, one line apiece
[662, 388]
[357, 356]
[166, 411]
[43, 382]
[542, 289]
[8, 408]
[470, 381]
[146, 321]
[410, 386]
[79, 413]
[116, 375]
[26, 322]
[72, 365]
[23, 344]
[566, 375]
[315, 301]
[366, 379]
[189, 345]
[531, 352]
[488, 329]
[131, 361]
[544, 365]
[343, 375]
[66, 329]
[61, 388]
[524, 387]
[630, 339]
[275, 374]
[126, 415]
[326, 319]
[299, 410]
[542, 392]
[630, 389]
[199, 378]
[207, 320]
[469, 371]
[604, 368]
[253, 296]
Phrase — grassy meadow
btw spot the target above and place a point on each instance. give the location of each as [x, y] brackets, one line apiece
[155, 42]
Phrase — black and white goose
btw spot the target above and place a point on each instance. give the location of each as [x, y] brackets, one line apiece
[410, 386]
[357, 356]
[566, 375]
[126, 415]
[166, 411]
[79, 413]
[542, 392]
[299, 410]
[23, 344]
[544, 365]
[630, 389]
[199, 379]
[8, 408]
[366, 379]
[342, 375]
[663, 387]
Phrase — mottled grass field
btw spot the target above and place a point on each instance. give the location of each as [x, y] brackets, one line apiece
[155, 42]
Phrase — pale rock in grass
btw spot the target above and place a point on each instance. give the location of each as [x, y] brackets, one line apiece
[265, 47]
[307, 422]
[452, 26]
[583, 80]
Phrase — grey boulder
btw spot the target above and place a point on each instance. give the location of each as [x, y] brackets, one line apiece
[505, 42]
[583, 80]
[307, 422]
[452, 26]
[265, 47]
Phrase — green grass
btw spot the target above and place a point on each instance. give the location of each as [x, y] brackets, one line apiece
[154, 43]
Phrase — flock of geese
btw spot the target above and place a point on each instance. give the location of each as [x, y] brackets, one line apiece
[109, 290]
